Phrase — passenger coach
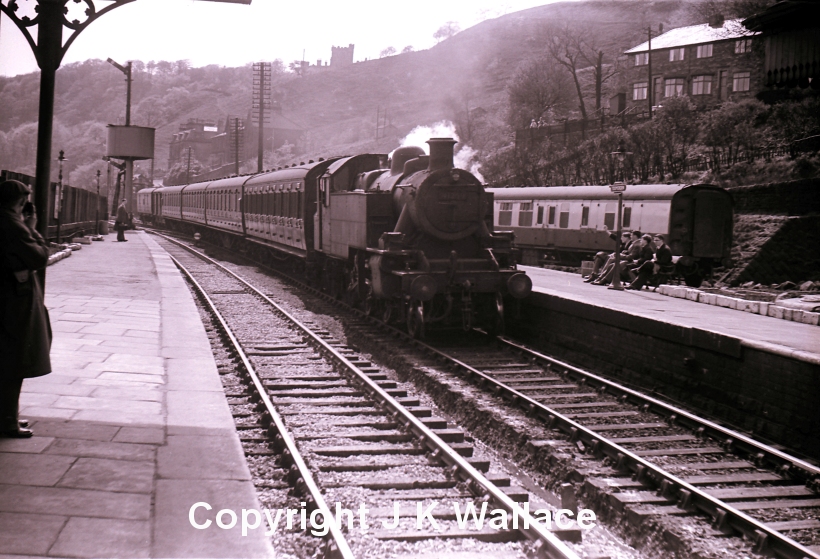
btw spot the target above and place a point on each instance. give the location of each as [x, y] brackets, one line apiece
[568, 224]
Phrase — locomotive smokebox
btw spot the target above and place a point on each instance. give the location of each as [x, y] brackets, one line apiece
[441, 153]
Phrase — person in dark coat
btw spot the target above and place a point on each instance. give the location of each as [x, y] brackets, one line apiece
[25, 334]
[628, 255]
[121, 224]
[662, 264]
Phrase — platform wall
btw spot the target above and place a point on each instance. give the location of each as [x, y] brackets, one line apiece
[773, 396]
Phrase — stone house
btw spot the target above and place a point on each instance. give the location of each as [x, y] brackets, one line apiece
[710, 62]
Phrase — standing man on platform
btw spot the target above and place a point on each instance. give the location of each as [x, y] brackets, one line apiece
[25, 331]
[121, 224]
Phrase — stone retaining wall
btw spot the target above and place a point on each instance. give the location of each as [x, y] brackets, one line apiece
[771, 395]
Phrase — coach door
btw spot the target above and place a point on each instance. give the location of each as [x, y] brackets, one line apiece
[711, 210]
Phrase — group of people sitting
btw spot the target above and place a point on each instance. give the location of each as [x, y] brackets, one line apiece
[642, 259]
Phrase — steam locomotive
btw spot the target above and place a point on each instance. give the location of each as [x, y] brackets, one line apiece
[567, 224]
[413, 242]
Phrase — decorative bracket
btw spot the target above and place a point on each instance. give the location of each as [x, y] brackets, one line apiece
[59, 12]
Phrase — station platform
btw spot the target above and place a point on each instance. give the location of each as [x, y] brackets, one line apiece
[772, 335]
[132, 426]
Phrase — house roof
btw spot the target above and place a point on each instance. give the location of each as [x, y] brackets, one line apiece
[696, 35]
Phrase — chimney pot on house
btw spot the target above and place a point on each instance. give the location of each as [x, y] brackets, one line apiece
[716, 21]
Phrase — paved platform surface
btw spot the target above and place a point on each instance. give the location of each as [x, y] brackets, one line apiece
[792, 339]
[131, 428]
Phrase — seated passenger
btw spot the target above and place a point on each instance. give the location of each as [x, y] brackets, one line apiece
[647, 254]
[603, 258]
[631, 251]
[661, 264]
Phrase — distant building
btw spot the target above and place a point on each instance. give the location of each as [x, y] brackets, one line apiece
[212, 144]
[710, 62]
[279, 131]
[195, 137]
[341, 56]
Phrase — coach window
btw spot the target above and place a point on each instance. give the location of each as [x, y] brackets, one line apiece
[609, 216]
[584, 216]
[540, 219]
[551, 218]
[505, 213]
[627, 217]
[525, 214]
[563, 219]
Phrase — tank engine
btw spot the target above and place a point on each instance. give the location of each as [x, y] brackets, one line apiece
[441, 262]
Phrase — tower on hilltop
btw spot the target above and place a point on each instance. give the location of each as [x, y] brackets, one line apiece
[341, 56]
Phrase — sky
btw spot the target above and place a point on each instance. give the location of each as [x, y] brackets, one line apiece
[206, 32]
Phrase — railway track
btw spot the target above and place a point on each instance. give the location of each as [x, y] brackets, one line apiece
[661, 460]
[339, 433]
[656, 460]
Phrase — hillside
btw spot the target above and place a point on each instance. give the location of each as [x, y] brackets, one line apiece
[462, 79]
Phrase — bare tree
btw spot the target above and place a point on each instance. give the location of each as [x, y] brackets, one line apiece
[538, 89]
[565, 48]
[594, 56]
[446, 31]
[389, 51]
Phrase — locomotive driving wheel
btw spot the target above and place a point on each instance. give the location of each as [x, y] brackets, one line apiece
[415, 320]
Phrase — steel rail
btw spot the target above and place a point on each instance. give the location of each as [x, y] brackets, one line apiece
[728, 438]
[549, 545]
[689, 497]
[337, 547]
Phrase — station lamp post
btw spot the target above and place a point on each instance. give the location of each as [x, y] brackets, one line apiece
[97, 208]
[58, 198]
[50, 17]
[618, 187]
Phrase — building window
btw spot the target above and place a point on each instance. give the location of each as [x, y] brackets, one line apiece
[674, 87]
[704, 51]
[642, 59]
[676, 54]
[740, 81]
[743, 45]
[639, 91]
[702, 85]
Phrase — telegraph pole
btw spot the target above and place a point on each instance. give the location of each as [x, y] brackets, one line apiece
[262, 105]
[649, 85]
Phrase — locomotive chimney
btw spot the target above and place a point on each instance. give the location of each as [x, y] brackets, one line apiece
[441, 153]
